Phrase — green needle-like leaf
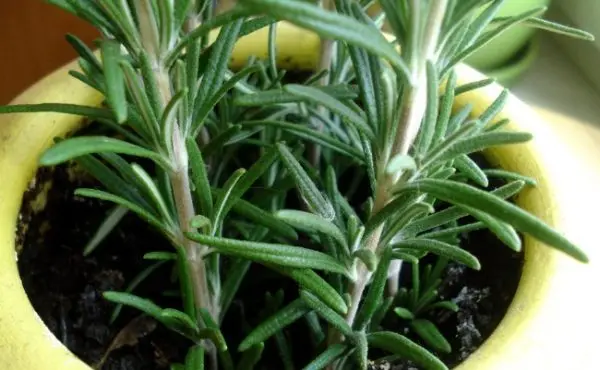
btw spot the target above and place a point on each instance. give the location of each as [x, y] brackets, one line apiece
[135, 282]
[404, 313]
[74, 109]
[405, 348]
[326, 313]
[316, 96]
[274, 324]
[327, 357]
[194, 360]
[462, 194]
[278, 254]
[107, 226]
[307, 188]
[115, 81]
[311, 223]
[310, 281]
[70, 149]
[431, 335]
[145, 214]
[331, 25]
[200, 177]
[373, 297]
[250, 357]
[440, 248]
[126, 299]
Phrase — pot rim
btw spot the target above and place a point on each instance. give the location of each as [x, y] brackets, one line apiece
[531, 335]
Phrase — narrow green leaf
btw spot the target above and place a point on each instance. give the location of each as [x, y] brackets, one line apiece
[447, 305]
[257, 98]
[84, 52]
[135, 282]
[219, 94]
[510, 176]
[252, 175]
[251, 357]
[427, 130]
[234, 278]
[441, 249]
[275, 323]
[200, 222]
[310, 281]
[471, 170]
[502, 230]
[326, 313]
[441, 128]
[405, 348]
[311, 223]
[68, 149]
[459, 118]
[431, 335]
[454, 213]
[307, 188]
[223, 198]
[404, 313]
[142, 304]
[412, 211]
[278, 254]
[194, 360]
[200, 177]
[361, 352]
[181, 9]
[147, 108]
[331, 25]
[261, 217]
[371, 301]
[491, 35]
[74, 109]
[484, 141]
[495, 206]
[143, 213]
[440, 151]
[327, 357]
[152, 192]
[106, 227]
[115, 81]
[308, 133]
[177, 319]
[473, 86]
[160, 256]
[405, 256]
[550, 26]
[316, 96]
[111, 180]
[218, 62]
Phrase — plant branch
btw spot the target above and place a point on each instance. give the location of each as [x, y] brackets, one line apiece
[412, 110]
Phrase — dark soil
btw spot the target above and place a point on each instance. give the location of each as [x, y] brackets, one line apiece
[65, 288]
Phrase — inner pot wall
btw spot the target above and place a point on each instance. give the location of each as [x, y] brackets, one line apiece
[541, 330]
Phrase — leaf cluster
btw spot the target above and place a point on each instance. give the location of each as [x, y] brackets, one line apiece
[219, 161]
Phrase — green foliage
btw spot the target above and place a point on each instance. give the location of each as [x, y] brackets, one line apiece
[334, 184]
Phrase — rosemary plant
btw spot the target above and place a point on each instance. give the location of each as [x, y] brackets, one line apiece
[240, 167]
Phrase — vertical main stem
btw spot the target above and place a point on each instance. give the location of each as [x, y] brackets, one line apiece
[412, 110]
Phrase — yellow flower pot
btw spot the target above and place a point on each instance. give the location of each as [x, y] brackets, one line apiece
[545, 327]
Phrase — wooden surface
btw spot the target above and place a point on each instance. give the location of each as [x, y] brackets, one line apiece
[32, 42]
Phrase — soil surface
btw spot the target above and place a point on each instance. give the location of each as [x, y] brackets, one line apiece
[66, 288]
